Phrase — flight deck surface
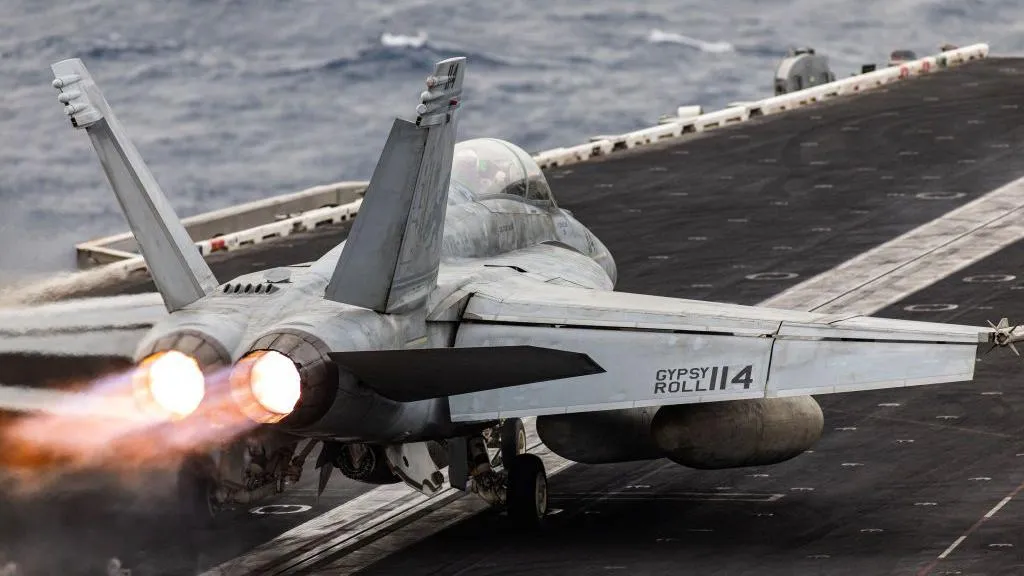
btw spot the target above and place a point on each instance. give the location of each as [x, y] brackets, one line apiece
[736, 215]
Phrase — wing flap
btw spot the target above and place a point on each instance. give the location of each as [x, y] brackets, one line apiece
[803, 367]
[523, 301]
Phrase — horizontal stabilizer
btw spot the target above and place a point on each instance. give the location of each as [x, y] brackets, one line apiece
[420, 374]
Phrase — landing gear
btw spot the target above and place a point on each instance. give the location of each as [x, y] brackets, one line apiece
[527, 491]
[513, 479]
[241, 472]
[513, 439]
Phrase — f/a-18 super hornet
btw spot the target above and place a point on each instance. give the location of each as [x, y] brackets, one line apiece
[463, 300]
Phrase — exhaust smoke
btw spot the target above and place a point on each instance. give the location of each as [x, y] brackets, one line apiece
[47, 435]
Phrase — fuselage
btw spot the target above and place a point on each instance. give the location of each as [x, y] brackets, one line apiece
[485, 239]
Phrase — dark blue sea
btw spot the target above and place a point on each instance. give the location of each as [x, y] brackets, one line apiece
[231, 101]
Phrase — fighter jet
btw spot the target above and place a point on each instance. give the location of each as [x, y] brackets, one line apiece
[463, 300]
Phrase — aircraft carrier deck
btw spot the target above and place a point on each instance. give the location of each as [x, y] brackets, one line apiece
[916, 481]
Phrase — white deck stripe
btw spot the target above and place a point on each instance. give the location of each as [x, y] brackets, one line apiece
[952, 547]
[871, 281]
[915, 260]
[927, 569]
[999, 506]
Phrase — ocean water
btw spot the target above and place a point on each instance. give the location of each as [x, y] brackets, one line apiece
[230, 101]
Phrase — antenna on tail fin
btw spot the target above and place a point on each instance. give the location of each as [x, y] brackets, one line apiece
[390, 260]
[178, 269]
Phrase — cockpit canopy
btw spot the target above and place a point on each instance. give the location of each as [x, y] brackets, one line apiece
[490, 168]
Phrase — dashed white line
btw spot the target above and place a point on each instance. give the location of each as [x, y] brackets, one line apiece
[998, 507]
[952, 547]
[930, 307]
[917, 259]
[992, 512]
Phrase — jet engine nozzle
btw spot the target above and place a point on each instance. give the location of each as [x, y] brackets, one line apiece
[174, 371]
[266, 385]
[286, 377]
[207, 351]
[169, 383]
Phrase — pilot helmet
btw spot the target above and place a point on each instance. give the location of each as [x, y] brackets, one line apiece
[473, 170]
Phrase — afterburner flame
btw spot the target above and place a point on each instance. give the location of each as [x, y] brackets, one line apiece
[113, 424]
[275, 382]
[266, 385]
[171, 381]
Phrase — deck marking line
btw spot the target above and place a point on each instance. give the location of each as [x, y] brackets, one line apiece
[931, 566]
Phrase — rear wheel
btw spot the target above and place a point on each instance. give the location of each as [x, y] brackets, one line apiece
[527, 495]
[513, 440]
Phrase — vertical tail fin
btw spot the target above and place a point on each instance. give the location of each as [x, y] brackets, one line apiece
[389, 263]
[178, 269]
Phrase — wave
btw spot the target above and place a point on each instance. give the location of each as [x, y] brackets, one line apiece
[115, 46]
[393, 54]
[402, 41]
[625, 17]
[661, 37]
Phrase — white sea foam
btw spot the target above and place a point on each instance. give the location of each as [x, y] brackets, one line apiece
[661, 37]
[403, 41]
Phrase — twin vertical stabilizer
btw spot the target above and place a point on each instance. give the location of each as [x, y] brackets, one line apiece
[390, 260]
[178, 269]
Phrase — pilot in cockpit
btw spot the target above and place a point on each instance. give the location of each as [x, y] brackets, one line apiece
[480, 175]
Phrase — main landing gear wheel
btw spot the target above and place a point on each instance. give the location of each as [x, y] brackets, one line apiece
[527, 495]
[513, 440]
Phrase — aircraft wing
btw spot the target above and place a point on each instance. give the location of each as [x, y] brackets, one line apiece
[108, 326]
[658, 351]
